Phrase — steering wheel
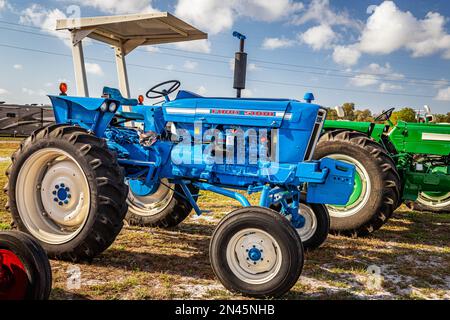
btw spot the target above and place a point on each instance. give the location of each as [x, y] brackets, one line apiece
[385, 115]
[164, 92]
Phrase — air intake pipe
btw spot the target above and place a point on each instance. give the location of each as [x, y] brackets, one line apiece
[240, 65]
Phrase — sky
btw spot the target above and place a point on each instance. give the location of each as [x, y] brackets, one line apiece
[377, 54]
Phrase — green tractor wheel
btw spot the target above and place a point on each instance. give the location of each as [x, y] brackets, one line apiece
[438, 202]
[377, 184]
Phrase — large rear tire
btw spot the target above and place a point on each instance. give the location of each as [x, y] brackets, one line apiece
[377, 182]
[67, 190]
[256, 252]
[25, 270]
[165, 208]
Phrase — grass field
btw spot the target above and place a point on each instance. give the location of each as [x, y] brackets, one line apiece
[411, 252]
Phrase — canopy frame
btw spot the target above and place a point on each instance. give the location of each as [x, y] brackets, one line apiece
[124, 33]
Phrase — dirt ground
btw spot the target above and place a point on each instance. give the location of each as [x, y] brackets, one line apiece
[409, 258]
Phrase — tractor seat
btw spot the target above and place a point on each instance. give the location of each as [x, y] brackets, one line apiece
[114, 94]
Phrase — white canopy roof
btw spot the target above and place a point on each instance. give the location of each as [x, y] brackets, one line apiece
[131, 31]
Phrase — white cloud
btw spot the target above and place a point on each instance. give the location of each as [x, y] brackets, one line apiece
[3, 91]
[247, 93]
[170, 67]
[203, 46]
[252, 67]
[276, 43]
[2, 4]
[32, 92]
[38, 16]
[389, 87]
[190, 65]
[216, 16]
[319, 11]
[152, 49]
[389, 29]
[202, 90]
[18, 67]
[443, 94]
[346, 55]
[363, 80]
[374, 74]
[118, 6]
[318, 37]
[267, 10]
[94, 69]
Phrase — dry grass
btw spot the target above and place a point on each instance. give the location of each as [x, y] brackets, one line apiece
[411, 251]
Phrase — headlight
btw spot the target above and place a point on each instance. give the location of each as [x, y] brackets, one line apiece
[104, 107]
[112, 107]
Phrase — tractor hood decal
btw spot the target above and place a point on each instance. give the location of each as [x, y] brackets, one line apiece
[435, 136]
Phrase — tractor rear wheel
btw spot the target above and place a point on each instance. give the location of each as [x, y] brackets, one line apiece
[164, 208]
[25, 272]
[256, 252]
[377, 183]
[438, 202]
[67, 190]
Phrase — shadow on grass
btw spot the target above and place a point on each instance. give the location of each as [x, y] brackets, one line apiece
[181, 251]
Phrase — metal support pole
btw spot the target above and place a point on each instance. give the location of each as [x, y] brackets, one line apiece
[122, 71]
[79, 67]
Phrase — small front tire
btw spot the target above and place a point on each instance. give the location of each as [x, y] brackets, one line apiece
[255, 251]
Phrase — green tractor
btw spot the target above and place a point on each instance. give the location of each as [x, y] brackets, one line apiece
[407, 162]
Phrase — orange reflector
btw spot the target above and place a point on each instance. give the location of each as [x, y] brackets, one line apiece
[141, 99]
[63, 88]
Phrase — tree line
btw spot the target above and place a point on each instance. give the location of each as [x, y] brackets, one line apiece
[405, 114]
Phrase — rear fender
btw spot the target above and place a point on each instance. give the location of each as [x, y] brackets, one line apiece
[84, 112]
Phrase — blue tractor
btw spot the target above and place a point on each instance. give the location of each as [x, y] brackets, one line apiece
[71, 184]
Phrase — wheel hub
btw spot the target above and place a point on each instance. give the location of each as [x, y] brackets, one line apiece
[62, 193]
[13, 276]
[253, 256]
[53, 196]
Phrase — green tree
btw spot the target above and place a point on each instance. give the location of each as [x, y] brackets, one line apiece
[332, 114]
[404, 114]
[363, 115]
[442, 118]
[349, 109]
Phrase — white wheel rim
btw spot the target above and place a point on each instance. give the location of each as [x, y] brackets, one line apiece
[436, 202]
[347, 211]
[310, 226]
[252, 271]
[52, 196]
[151, 204]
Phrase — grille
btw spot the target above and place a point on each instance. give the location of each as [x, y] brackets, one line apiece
[318, 125]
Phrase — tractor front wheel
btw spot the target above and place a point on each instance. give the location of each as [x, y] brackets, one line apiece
[255, 251]
[67, 190]
[377, 184]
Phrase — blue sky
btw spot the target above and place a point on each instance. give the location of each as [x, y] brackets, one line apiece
[377, 54]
